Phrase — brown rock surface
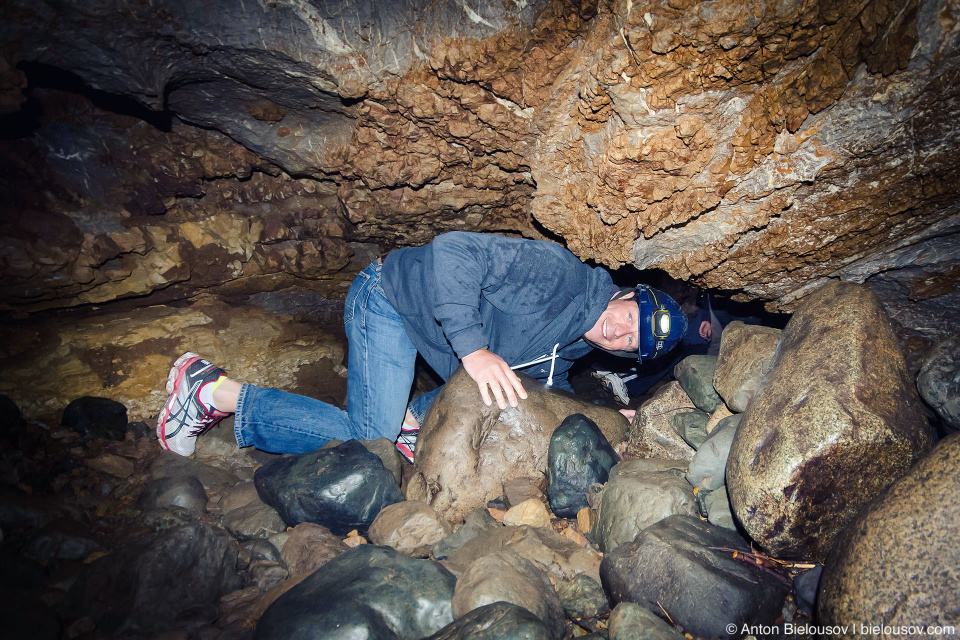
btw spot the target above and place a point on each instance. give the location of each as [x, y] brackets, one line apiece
[898, 563]
[651, 432]
[309, 546]
[411, 527]
[467, 450]
[836, 422]
[126, 356]
[746, 353]
[762, 146]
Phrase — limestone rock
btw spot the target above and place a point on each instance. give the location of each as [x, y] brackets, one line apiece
[477, 521]
[238, 496]
[898, 562]
[685, 566]
[168, 464]
[836, 422]
[651, 432]
[530, 512]
[125, 356]
[522, 489]
[507, 577]
[637, 496]
[342, 488]
[497, 621]
[113, 464]
[695, 375]
[369, 592]
[552, 552]
[939, 380]
[410, 527]
[746, 355]
[308, 547]
[466, 450]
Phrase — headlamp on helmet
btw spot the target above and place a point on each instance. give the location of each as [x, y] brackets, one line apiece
[662, 323]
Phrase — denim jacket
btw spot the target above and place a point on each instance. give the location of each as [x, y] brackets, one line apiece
[525, 300]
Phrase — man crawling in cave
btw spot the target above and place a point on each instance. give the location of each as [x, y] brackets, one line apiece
[495, 305]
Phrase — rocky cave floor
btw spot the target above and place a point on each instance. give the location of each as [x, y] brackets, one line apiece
[86, 489]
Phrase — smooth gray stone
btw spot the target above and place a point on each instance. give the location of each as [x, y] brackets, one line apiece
[583, 597]
[342, 488]
[708, 469]
[477, 521]
[717, 505]
[638, 496]
[497, 621]
[254, 520]
[509, 577]
[695, 375]
[688, 567]
[691, 426]
[185, 492]
[577, 457]
[366, 592]
[630, 621]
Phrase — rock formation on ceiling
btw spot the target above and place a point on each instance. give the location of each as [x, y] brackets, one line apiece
[760, 146]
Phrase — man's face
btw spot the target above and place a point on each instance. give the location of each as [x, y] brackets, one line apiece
[618, 328]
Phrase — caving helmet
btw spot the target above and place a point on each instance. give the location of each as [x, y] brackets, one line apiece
[662, 323]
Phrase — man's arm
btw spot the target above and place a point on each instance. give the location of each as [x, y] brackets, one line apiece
[463, 265]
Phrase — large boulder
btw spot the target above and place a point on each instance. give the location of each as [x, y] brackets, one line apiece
[939, 380]
[695, 375]
[508, 577]
[366, 592]
[497, 621]
[898, 564]
[652, 432]
[746, 354]
[836, 422]
[342, 488]
[639, 494]
[467, 450]
[688, 569]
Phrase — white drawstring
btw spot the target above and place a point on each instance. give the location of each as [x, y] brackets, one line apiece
[553, 361]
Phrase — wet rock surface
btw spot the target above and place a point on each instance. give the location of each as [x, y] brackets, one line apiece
[695, 375]
[639, 494]
[497, 621]
[687, 567]
[341, 488]
[577, 457]
[898, 563]
[836, 422]
[469, 449]
[630, 621]
[508, 577]
[410, 527]
[370, 591]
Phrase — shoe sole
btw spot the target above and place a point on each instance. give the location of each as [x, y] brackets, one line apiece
[174, 378]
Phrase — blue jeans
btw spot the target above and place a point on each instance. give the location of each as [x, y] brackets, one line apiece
[380, 369]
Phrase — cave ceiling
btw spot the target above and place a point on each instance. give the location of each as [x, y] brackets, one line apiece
[762, 147]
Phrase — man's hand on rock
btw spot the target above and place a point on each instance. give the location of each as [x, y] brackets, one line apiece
[490, 370]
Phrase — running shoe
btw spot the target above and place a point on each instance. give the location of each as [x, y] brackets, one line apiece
[407, 441]
[615, 383]
[184, 416]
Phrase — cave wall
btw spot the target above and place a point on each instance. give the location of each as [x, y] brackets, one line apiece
[761, 147]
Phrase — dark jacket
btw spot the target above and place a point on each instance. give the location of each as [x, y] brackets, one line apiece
[518, 298]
